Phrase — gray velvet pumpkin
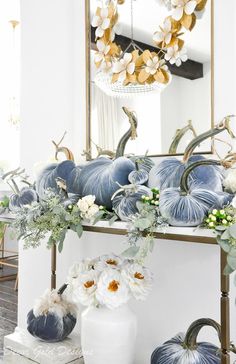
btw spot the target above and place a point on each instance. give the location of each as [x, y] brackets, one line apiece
[187, 206]
[184, 349]
[53, 317]
[102, 176]
[25, 196]
[125, 199]
[168, 173]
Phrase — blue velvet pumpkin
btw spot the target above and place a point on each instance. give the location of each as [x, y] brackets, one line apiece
[26, 196]
[139, 176]
[168, 173]
[125, 200]
[66, 170]
[53, 317]
[186, 206]
[102, 178]
[184, 349]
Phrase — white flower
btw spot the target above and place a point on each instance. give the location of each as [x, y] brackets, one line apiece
[91, 211]
[112, 291]
[165, 34]
[109, 261]
[90, 199]
[183, 6]
[176, 56]
[117, 29]
[83, 205]
[154, 64]
[84, 288]
[230, 180]
[124, 66]
[101, 21]
[139, 279]
[103, 50]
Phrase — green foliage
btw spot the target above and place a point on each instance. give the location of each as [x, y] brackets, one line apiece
[219, 218]
[142, 228]
[50, 218]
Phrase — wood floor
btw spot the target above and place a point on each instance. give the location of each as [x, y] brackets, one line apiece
[8, 306]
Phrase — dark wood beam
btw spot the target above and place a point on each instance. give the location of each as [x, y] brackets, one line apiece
[190, 69]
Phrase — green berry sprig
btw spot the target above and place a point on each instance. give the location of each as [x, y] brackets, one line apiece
[218, 218]
[154, 200]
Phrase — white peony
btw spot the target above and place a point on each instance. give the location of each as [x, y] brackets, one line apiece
[112, 290]
[139, 280]
[108, 261]
[230, 180]
[84, 288]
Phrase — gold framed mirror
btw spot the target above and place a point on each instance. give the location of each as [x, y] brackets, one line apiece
[167, 120]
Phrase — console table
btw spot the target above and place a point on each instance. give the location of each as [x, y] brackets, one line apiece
[195, 235]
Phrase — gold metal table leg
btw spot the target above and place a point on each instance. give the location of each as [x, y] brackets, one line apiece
[225, 312]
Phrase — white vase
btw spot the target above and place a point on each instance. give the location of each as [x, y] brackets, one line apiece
[108, 336]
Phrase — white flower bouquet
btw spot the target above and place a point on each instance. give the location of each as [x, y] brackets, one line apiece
[109, 281]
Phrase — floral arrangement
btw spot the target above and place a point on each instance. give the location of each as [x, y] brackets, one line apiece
[109, 281]
[144, 67]
[53, 215]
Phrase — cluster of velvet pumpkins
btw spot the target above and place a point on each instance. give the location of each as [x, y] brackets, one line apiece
[189, 188]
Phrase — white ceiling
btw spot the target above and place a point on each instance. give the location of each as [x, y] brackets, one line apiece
[148, 15]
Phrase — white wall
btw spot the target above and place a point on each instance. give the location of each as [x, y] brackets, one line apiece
[187, 275]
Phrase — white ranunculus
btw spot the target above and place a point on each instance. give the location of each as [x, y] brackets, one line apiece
[101, 22]
[112, 290]
[109, 261]
[92, 211]
[139, 280]
[230, 180]
[90, 199]
[84, 288]
[83, 205]
[181, 7]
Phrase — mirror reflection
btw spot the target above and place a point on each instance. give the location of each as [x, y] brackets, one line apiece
[168, 117]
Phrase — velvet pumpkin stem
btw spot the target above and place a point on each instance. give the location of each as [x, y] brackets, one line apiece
[190, 340]
[223, 125]
[62, 289]
[130, 134]
[184, 187]
[179, 135]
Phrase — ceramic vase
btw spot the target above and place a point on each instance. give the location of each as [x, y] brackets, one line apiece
[108, 336]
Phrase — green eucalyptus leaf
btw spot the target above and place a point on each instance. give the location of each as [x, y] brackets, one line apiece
[225, 245]
[232, 231]
[113, 219]
[142, 223]
[228, 270]
[131, 252]
[57, 210]
[231, 260]
[220, 228]
[232, 251]
[98, 216]
[225, 235]
[61, 240]
[79, 230]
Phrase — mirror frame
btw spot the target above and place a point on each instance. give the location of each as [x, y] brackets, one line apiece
[88, 80]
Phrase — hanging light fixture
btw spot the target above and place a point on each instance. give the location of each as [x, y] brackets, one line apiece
[103, 79]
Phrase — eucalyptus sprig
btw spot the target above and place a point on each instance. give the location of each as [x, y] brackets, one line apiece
[141, 233]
